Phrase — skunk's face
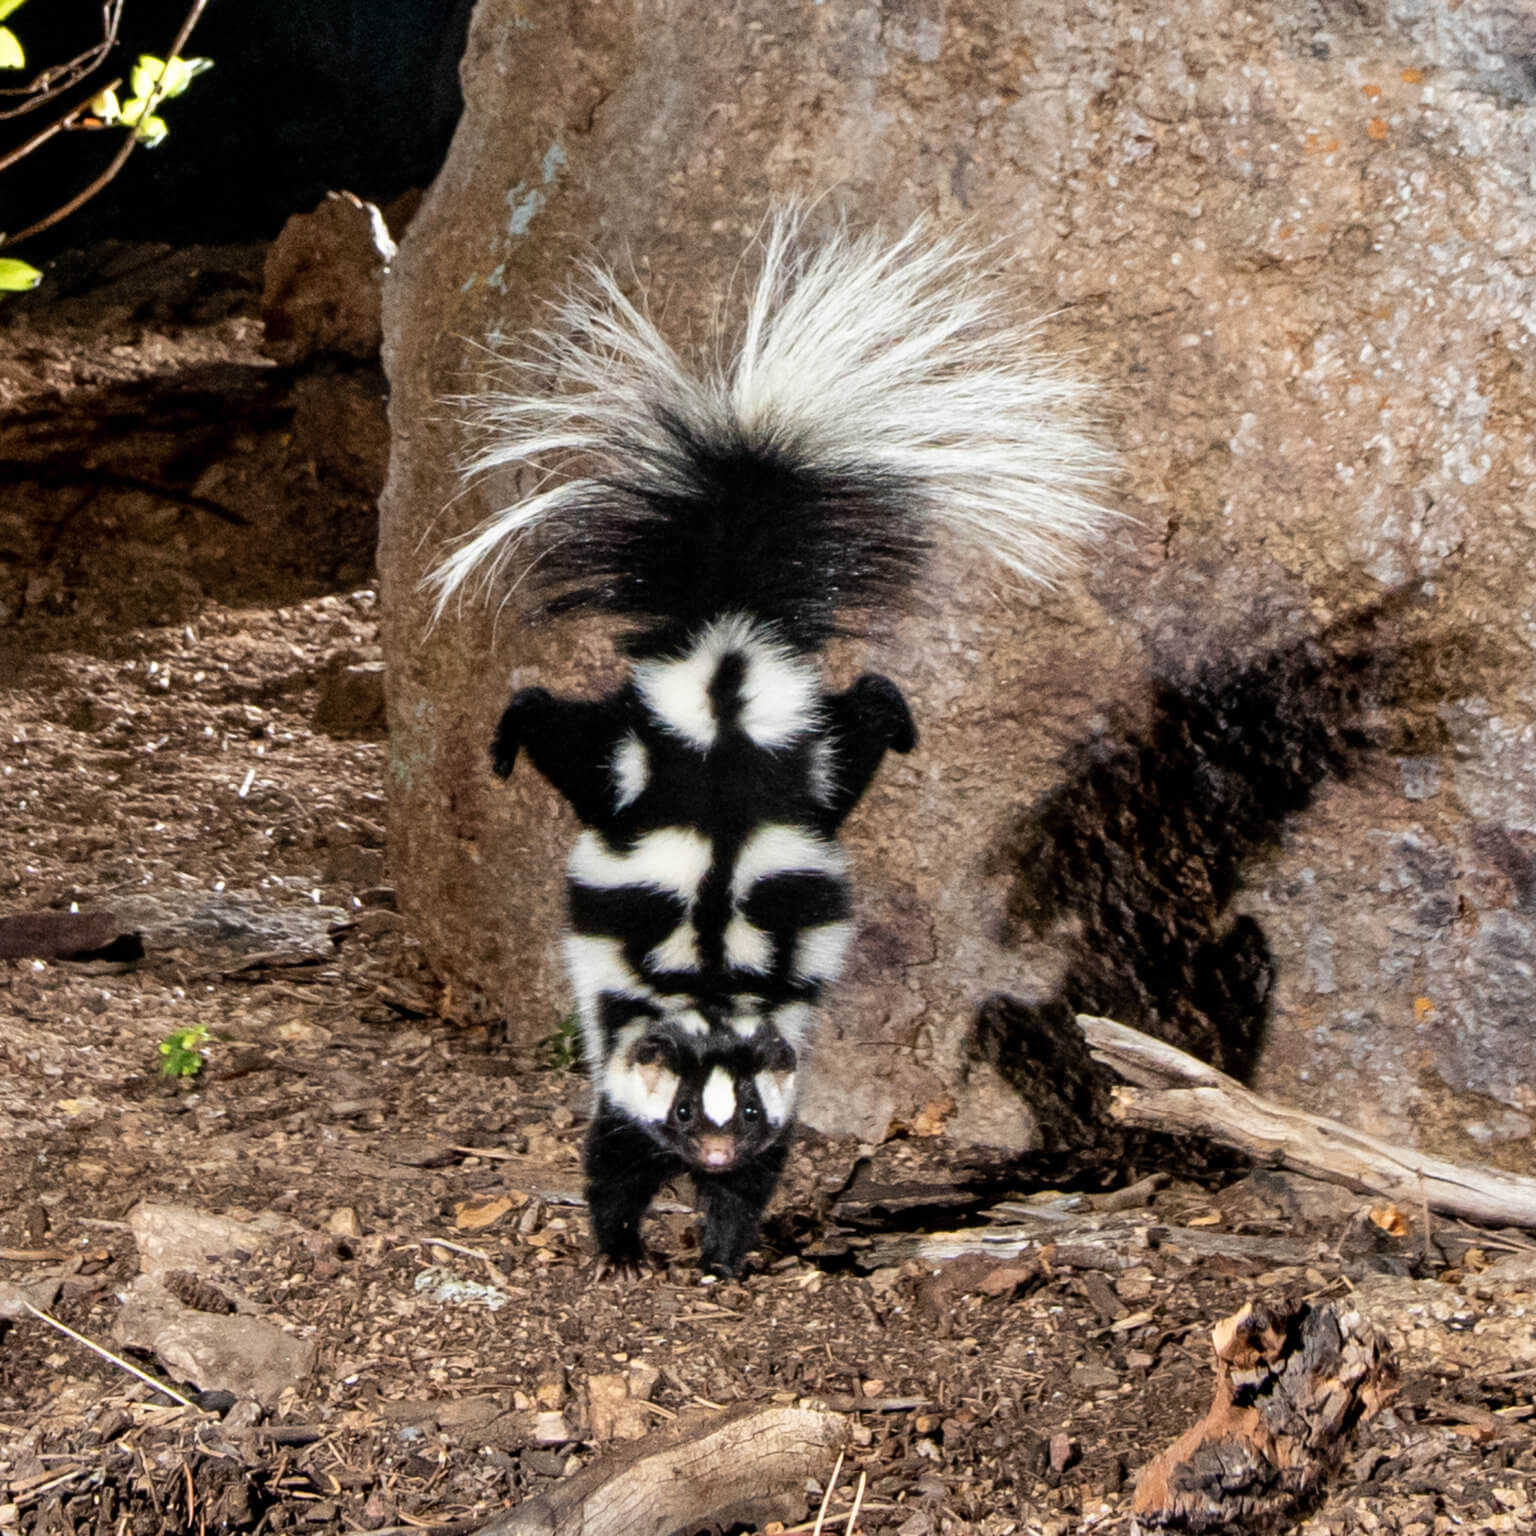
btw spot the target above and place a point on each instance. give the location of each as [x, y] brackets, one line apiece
[714, 1101]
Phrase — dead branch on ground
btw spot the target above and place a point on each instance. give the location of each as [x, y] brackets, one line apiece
[1101, 1240]
[1175, 1093]
[750, 1468]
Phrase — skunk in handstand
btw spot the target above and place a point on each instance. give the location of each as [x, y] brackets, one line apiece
[738, 517]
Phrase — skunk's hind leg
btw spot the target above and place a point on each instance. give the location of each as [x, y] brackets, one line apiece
[572, 742]
[864, 722]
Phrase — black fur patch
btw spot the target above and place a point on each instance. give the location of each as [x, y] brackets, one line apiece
[745, 528]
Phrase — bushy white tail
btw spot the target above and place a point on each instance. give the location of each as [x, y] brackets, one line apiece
[879, 384]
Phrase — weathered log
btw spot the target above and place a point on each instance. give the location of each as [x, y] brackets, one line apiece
[67, 936]
[1292, 1382]
[749, 1467]
[1108, 1240]
[1174, 1092]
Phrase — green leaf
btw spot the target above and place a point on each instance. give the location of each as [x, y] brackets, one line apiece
[7, 6]
[11, 55]
[183, 1051]
[145, 76]
[17, 276]
[151, 130]
[104, 105]
[178, 75]
[182, 73]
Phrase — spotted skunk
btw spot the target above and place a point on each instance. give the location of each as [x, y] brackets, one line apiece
[738, 517]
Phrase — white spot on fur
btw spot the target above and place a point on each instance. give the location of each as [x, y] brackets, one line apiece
[746, 1018]
[777, 1092]
[820, 951]
[644, 1092]
[778, 849]
[795, 1021]
[822, 772]
[670, 859]
[677, 694]
[691, 1020]
[679, 951]
[597, 966]
[718, 1100]
[631, 772]
[780, 693]
[747, 948]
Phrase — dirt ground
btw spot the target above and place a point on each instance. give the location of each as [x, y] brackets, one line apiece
[404, 1333]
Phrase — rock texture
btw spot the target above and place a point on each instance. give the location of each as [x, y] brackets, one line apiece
[320, 287]
[173, 1311]
[1292, 239]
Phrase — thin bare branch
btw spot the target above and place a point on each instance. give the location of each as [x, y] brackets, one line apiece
[106, 1354]
[51, 83]
[71, 119]
[125, 149]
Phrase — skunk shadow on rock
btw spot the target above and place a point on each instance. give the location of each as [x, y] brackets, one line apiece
[1132, 861]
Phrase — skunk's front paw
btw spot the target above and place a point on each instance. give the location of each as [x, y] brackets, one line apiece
[625, 1258]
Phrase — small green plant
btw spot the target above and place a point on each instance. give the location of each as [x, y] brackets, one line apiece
[562, 1045]
[182, 1053]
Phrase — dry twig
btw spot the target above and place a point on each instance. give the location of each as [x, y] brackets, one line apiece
[106, 1354]
[51, 83]
[124, 149]
[1174, 1092]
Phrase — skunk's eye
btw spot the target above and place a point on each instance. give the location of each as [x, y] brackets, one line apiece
[682, 1111]
[750, 1112]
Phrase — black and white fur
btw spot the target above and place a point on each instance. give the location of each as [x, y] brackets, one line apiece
[737, 517]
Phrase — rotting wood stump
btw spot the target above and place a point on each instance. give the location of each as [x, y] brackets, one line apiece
[1292, 1382]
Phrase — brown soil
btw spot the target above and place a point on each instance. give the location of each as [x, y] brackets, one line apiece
[162, 671]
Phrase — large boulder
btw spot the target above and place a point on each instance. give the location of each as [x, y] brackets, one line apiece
[1292, 241]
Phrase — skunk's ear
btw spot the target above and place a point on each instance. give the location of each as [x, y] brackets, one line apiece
[570, 741]
[864, 722]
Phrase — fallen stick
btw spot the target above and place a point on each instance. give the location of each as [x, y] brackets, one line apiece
[1108, 1240]
[749, 1468]
[106, 1354]
[1174, 1092]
